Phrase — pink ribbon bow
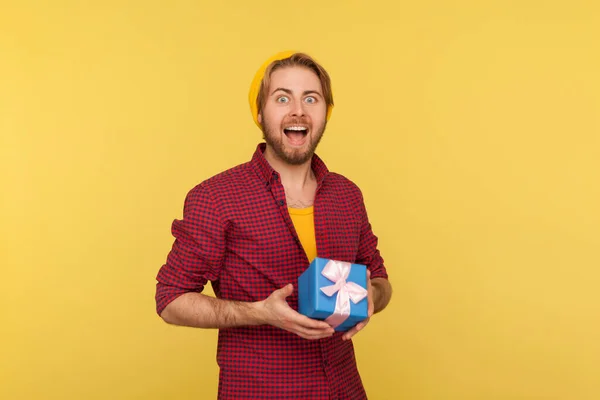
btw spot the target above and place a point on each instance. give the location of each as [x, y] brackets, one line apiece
[337, 272]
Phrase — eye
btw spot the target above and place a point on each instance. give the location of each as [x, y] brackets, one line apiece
[310, 100]
[282, 99]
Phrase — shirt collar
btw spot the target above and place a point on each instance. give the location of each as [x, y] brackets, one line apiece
[264, 170]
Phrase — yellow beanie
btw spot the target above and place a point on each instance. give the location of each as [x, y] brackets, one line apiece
[255, 86]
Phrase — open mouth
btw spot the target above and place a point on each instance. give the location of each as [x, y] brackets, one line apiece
[296, 134]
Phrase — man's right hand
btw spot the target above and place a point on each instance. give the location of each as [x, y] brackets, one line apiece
[276, 311]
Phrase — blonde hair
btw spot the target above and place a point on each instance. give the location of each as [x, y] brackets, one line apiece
[260, 85]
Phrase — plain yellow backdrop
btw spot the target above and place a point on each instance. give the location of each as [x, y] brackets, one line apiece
[472, 127]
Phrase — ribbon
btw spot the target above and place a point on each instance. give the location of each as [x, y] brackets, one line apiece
[337, 272]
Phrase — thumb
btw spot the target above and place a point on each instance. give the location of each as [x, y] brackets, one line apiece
[285, 291]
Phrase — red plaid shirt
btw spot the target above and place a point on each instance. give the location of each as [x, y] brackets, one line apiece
[237, 233]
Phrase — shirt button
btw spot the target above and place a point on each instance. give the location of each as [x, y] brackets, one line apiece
[275, 176]
[281, 202]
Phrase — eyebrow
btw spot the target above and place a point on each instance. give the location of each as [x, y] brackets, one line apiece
[288, 91]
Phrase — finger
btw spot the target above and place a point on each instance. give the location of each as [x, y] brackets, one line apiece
[358, 327]
[308, 333]
[301, 324]
[306, 322]
[297, 322]
[284, 292]
[353, 331]
[348, 335]
[314, 336]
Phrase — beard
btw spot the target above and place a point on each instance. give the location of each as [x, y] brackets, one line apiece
[274, 139]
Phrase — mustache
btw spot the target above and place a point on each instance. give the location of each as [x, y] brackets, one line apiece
[296, 120]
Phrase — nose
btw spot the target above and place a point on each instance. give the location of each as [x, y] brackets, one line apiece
[297, 109]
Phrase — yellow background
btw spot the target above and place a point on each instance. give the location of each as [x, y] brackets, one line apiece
[472, 127]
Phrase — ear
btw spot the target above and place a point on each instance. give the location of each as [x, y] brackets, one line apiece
[259, 117]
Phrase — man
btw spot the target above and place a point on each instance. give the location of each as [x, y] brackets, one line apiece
[253, 229]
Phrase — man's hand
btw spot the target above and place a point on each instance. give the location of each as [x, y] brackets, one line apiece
[370, 310]
[276, 311]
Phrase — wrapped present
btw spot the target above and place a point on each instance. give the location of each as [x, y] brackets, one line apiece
[334, 291]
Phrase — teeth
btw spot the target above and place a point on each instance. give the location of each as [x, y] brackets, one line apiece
[296, 128]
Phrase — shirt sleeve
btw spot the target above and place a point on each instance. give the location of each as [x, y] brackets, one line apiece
[368, 253]
[197, 253]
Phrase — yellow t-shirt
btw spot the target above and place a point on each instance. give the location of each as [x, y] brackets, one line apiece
[303, 219]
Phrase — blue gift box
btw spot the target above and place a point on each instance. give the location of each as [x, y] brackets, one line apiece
[314, 303]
